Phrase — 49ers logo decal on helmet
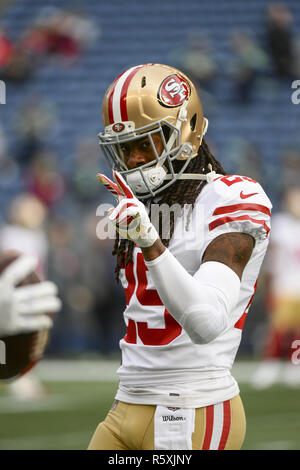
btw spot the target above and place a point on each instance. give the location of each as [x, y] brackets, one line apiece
[118, 127]
[173, 91]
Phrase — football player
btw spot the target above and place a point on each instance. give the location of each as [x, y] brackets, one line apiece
[189, 275]
[24, 309]
[282, 283]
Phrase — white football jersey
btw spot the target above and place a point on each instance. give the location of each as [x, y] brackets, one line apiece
[160, 363]
[283, 259]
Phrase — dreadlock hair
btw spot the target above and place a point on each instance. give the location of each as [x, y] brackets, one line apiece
[181, 192]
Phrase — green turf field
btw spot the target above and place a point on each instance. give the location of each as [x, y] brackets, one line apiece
[68, 415]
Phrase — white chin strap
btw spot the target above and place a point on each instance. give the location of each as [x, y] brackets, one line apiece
[153, 177]
[141, 181]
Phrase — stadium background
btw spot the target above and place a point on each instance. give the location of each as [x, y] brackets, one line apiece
[48, 148]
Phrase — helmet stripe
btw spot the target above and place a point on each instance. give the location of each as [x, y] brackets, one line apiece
[117, 110]
[123, 105]
[110, 100]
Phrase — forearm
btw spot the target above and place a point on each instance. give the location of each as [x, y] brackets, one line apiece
[201, 304]
[154, 251]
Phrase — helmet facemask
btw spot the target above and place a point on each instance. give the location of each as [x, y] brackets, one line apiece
[180, 126]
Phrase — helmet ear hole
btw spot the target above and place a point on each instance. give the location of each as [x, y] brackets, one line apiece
[166, 130]
[193, 122]
[143, 82]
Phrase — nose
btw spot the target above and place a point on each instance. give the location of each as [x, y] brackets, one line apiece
[136, 158]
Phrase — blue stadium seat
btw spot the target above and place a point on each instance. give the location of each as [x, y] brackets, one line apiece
[135, 32]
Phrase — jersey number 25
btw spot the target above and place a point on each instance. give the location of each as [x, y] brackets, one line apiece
[147, 297]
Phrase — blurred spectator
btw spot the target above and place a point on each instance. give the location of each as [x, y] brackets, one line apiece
[109, 300]
[282, 272]
[243, 158]
[280, 39]
[19, 66]
[40, 173]
[250, 63]
[58, 32]
[290, 165]
[15, 63]
[34, 122]
[25, 231]
[196, 59]
[85, 186]
[80, 264]
[9, 172]
[3, 145]
[44, 180]
[6, 49]
[55, 33]
[64, 269]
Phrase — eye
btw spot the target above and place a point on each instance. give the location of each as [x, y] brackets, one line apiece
[145, 145]
[125, 149]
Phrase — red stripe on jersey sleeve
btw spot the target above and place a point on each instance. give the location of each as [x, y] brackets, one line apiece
[241, 321]
[226, 220]
[242, 207]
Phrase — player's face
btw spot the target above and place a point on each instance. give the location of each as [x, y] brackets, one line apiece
[140, 152]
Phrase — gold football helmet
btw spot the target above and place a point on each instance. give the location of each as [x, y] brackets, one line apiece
[146, 100]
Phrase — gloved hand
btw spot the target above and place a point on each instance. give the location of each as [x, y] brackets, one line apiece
[130, 216]
[24, 309]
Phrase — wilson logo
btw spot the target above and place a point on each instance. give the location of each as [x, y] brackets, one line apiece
[173, 418]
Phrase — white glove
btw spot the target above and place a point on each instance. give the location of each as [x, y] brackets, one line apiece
[24, 309]
[130, 216]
